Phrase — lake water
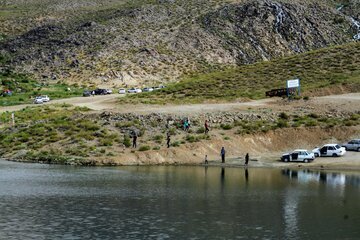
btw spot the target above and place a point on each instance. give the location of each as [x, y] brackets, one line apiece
[63, 202]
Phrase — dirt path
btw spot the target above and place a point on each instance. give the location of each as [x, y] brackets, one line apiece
[346, 102]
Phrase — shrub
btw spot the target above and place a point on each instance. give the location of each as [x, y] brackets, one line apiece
[282, 124]
[158, 138]
[106, 142]
[226, 126]
[156, 148]
[200, 130]
[313, 115]
[191, 138]
[144, 148]
[175, 144]
[283, 116]
[126, 141]
[306, 98]
[311, 123]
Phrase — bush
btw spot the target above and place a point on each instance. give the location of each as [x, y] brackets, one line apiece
[127, 142]
[106, 142]
[306, 98]
[200, 130]
[226, 126]
[282, 124]
[175, 144]
[156, 148]
[158, 138]
[313, 115]
[283, 116]
[144, 148]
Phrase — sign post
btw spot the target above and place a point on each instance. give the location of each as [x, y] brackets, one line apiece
[294, 83]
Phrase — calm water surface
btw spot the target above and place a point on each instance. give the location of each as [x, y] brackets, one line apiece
[63, 202]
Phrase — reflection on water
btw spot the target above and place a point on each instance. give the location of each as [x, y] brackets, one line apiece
[63, 202]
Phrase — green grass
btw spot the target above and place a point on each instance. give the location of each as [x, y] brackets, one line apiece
[25, 88]
[324, 68]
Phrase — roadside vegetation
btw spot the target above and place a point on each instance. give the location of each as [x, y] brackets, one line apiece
[318, 70]
[24, 89]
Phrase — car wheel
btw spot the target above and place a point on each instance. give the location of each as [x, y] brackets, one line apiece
[286, 160]
[306, 161]
[358, 149]
[334, 155]
[316, 155]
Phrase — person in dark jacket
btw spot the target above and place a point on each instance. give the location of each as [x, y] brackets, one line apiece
[168, 140]
[247, 159]
[134, 141]
[222, 153]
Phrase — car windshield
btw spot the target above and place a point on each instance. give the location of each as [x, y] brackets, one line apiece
[337, 146]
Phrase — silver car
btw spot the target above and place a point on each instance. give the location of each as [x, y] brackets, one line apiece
[352, 145]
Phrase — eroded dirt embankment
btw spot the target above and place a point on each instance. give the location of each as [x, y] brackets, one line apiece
[264, 148]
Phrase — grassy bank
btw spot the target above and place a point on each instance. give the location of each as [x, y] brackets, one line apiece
[65, 134]
[320, 69]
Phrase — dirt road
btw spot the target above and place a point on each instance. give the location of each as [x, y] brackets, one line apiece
[345, 102]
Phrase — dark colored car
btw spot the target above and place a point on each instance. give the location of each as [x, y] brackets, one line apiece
[86, 93]
[100, 91]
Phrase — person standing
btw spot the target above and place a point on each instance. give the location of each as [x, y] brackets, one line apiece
[206, 160]
[168, 140]
[134, 141]
[206, 127]
[246, 159]
[222, 153]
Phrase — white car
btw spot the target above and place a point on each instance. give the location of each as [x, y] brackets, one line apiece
[298, 155]
[148, 89]
[38, 100]
[108, 91]
[134, 90]
[45, 98]
[122, 91]
[330, 150]
[352, 145]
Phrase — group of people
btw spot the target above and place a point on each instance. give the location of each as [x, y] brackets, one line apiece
[222, 154]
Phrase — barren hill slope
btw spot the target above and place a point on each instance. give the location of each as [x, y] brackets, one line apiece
[128, 42]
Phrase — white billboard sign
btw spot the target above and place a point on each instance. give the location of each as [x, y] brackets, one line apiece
[293, 83]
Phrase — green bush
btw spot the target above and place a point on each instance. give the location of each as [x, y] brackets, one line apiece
[226, 126]
[158, 138]
[200, 130]
[283, 116]
[127, 141]
[282, 123]
[144, 148]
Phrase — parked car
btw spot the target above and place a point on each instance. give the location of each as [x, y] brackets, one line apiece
[122, 90]
[108, 91]
[134, 90]
[156, 88]
[298, 155]
[148, 89]
[45, 98]
[162, 86]
[87, 93]
[100, 91]
[38, 100]
[352, 145]
[330, 150]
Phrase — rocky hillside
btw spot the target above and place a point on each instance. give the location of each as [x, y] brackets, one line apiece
[132, 42]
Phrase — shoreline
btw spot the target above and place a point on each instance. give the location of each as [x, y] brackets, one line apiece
[320, 164]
